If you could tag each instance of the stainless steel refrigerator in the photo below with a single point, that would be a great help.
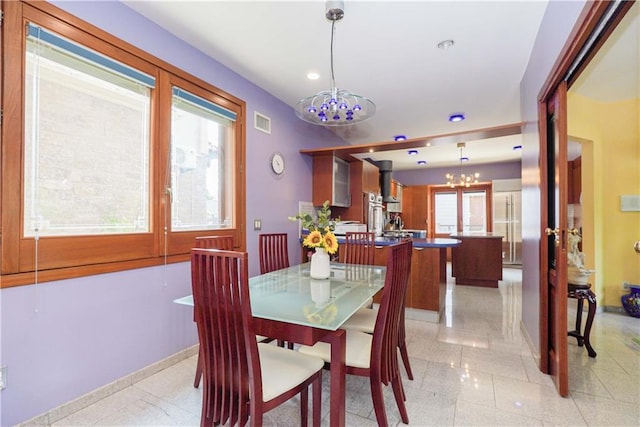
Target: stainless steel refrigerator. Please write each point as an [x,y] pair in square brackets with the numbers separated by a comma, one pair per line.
[507,218]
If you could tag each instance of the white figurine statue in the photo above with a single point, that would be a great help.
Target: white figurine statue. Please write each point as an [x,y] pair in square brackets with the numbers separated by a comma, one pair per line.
[577,273]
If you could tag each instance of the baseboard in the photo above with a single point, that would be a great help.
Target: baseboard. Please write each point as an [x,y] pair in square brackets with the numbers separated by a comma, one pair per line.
[422,315]
[98,394]
[535,351]
[614,309]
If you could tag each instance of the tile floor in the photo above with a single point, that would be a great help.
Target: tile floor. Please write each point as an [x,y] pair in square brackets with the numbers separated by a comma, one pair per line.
[474,368]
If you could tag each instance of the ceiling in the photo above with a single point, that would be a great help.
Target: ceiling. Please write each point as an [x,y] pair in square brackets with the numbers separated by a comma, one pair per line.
[384,50]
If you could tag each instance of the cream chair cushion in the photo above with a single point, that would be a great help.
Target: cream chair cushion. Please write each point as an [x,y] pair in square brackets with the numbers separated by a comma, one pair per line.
[362,320]
[358,354]
[283,369]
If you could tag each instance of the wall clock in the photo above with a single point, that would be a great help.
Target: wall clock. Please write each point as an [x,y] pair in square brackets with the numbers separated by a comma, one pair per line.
[277,163]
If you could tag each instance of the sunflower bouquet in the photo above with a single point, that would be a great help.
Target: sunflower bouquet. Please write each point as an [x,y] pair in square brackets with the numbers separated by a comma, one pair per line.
[320,231]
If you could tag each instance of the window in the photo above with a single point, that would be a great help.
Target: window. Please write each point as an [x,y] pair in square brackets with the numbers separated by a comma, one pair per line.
[474,211]
[446,212]
[462,209]
[113,159]
[201,172]
[87,121]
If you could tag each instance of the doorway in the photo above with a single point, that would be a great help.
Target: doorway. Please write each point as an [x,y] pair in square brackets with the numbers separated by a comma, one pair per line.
[616,137]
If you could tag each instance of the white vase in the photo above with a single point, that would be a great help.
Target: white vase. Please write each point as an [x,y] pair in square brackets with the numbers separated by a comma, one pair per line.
[320,264]
[578,276]
[320,291]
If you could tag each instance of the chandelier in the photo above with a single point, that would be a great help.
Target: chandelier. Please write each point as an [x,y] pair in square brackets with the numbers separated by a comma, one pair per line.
[462,179]
[335,106]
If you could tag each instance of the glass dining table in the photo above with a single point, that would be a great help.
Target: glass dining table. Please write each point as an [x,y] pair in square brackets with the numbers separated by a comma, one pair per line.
[289,305]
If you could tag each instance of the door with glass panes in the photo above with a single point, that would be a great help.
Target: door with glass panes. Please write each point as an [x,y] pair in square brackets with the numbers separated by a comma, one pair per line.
[460,209]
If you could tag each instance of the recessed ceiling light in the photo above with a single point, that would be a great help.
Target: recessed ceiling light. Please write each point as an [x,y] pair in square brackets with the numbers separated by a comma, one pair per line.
[400,138]
[456,117]
[412,152]
[428,144]
[517,147]
[371,150]
[422,162]
[313,76]
[464,159]
[445,44]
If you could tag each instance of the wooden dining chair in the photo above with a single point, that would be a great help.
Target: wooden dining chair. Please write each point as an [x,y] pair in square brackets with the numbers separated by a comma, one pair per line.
[376,355]
[243,379]
[274,255]
[360,249]
[224,242]
[274,252]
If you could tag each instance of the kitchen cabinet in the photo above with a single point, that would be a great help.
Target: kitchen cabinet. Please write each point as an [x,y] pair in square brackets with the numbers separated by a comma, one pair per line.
[331,178]
[370,178]
[575,180]
[478,260]
[363,180]
[428,280]
[414,208]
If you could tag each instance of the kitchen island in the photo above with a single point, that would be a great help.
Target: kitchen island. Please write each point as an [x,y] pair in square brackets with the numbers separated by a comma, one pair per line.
[428,281]
[478,260]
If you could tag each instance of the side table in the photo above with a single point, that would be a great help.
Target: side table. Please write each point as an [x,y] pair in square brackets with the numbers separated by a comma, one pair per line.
[583,292]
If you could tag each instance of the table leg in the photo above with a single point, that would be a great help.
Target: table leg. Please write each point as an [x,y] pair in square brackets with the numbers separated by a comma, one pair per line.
[338,341]
[579,323]
[587,328]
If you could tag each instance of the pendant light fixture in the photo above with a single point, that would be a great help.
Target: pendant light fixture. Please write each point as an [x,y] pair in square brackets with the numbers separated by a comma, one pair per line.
[462,179]
[335,106]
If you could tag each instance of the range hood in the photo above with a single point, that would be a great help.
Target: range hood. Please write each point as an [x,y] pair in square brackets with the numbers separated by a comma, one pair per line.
[385,168]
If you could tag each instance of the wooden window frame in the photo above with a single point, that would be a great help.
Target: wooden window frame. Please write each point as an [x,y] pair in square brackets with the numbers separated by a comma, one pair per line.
[61,257]
[433,189]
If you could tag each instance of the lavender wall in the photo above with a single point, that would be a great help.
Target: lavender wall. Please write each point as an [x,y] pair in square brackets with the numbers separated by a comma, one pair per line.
[558,21]
[63,339]
[488,172]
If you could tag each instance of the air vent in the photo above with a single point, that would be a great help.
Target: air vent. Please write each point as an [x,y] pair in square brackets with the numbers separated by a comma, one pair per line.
[262,122]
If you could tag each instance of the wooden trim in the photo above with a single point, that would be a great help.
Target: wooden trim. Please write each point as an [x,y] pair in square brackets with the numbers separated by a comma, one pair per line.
[101,34]
[11,280]
[542,249]
[345,151]
[433,189]
[585,26]
[12,48]
[604,35]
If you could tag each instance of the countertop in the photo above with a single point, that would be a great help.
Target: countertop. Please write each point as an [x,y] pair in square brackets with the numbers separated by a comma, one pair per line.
[471,235]
[417,243]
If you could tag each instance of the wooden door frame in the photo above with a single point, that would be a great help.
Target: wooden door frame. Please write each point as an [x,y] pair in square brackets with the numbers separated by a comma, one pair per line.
[433,189]
[586,25]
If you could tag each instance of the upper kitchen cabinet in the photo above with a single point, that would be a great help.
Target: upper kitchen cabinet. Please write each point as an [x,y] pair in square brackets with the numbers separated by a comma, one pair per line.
[370,178]
[396,191]
[331,181]
[575,180]
[364,180]
[415,207]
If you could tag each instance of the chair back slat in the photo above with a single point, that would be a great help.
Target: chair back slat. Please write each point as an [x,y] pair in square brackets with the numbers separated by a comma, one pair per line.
[391,311]
[274,252]
[231,369]
[359,248]
[224,242]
